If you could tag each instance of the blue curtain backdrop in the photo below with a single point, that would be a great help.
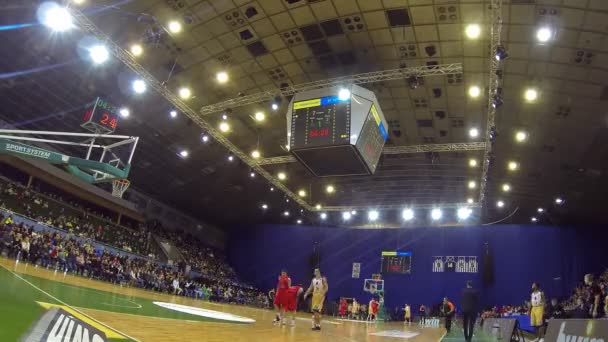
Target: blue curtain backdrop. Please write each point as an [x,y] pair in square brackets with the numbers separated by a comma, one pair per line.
[557,257]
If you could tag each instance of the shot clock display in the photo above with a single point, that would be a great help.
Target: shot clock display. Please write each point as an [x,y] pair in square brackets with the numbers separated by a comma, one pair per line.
[396,262]
[320,122]
[100,117]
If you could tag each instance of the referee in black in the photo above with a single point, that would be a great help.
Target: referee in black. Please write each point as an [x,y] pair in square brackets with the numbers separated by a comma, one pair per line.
[470,307]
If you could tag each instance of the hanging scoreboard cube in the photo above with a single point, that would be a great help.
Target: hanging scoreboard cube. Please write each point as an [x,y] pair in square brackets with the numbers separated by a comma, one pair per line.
[336,136]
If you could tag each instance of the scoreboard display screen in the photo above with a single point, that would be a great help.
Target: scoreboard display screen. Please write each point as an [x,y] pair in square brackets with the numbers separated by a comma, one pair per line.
[371,140]
[320,122]
[397,262]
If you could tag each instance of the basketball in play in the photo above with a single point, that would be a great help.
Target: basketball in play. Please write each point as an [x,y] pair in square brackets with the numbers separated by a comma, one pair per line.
[303,170]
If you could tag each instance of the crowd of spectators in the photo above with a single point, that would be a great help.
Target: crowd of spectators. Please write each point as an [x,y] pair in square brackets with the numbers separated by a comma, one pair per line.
[70,246]
[588,300]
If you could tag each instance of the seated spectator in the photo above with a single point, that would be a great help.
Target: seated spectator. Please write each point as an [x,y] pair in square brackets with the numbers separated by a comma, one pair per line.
[554,310]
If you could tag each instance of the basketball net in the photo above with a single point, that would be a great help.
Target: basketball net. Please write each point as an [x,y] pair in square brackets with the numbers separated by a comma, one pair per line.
[119,186]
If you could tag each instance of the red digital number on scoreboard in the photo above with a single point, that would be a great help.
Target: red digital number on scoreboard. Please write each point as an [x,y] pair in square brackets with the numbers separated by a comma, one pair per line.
[323,132]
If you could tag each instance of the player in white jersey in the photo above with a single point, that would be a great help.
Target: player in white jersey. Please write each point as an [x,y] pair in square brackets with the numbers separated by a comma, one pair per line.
[319,288]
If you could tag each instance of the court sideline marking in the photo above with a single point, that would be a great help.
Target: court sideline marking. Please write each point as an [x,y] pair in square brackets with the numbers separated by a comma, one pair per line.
[138,306]
[68,305]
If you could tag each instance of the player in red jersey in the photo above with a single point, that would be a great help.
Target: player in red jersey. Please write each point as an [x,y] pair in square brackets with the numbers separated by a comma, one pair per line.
[293,295]
[281,298]
[343,305]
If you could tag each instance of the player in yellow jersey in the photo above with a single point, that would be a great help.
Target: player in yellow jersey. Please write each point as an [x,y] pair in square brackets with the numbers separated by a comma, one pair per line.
[319,288]
[537,300]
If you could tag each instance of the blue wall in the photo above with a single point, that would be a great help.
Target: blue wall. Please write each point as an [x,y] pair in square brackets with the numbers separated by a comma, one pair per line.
[557,257]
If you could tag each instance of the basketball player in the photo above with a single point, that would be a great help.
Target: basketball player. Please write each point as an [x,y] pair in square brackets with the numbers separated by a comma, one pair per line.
[318,287]
[408,314]
[355,309]
[293,295]
[537,300]
[373,309]
[343,307]
[280,299]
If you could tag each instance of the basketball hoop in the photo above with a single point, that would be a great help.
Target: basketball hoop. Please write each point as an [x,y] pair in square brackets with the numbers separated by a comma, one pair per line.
[119,186]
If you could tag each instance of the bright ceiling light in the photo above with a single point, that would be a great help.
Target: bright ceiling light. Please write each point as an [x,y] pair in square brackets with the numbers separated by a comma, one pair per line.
[473,132]
[205,138]
[302,193]
[175,26]
[559,200]
[344,94]
[183,153]
[281,176]
[264,206]
[99,54]
[373,215]
[470,200]
[230,157]
[463,213]
[260,116]
[78,2]
[513,165]
[137,50]
[173,114]
[286,213]
[436,214]
[124,112]
[330,189]
[55,17]
[472,185]
[531,95]
[185,93]
[299,221]
[506,187]
[323,216]
[318,207]
[474,91]
[224,126]
[500,204]
[407,214]
[274,106]
[543,34]
[139,87]
[472,162]
[222,77]
[271,188]
[252,174]
[521,136]
[472,31]
[353,212]
[255,154]
[533,219]
[540,210]
[346,215]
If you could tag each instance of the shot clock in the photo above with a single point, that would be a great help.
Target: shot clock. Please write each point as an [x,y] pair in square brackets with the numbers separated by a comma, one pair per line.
[100,116]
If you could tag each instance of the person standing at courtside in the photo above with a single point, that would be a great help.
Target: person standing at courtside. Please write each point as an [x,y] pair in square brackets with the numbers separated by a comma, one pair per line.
[470,307]
[537,300]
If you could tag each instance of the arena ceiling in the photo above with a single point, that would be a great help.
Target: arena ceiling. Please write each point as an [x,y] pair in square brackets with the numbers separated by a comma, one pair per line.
[265,45]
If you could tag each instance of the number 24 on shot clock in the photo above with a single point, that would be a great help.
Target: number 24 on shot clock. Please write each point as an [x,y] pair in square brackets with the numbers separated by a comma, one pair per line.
[101,114]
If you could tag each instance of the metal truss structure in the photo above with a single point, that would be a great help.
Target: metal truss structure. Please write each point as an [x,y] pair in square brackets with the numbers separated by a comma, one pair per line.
[86,25]
[401,206]
[495,30]
[368,77]
[472,146]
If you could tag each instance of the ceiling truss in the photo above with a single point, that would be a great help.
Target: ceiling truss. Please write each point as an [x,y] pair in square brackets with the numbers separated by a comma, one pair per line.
[472,146]
[368,77]
[85,24]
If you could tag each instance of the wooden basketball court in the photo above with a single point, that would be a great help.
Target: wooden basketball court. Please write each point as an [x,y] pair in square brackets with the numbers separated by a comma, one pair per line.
[131,314]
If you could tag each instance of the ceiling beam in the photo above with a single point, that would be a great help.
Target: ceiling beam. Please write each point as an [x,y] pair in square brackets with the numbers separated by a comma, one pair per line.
[368,77]
[401,206]
[495,29]
[472,146]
